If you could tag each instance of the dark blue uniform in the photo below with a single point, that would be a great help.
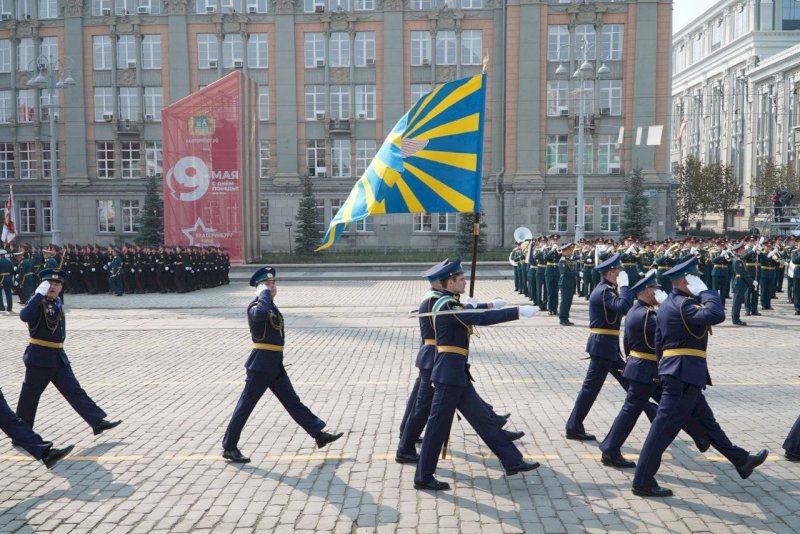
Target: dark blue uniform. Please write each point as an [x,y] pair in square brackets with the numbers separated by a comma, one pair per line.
[265,371]
[453,388]
[684,323]
[607,306]
[46,362]
[792,443]
[551,277]
[20,432]
[6,282]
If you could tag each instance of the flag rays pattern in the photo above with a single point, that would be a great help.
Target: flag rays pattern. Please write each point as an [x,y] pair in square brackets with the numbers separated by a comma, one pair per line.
[430,162]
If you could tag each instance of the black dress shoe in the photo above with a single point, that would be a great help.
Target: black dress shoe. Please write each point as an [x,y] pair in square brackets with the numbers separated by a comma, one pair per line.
[52,456]
[755,313]
[235,456]
[104,425]
[15,443]
[432,484]
[419,440]
[740,323]
[403,458]
[567,323]
[655,491]
[513,436]
[580,436]
[702,446]
[505,415]
[616,461]
[747,313]
[324,438]
[522,467]
[792,457]
[753,461]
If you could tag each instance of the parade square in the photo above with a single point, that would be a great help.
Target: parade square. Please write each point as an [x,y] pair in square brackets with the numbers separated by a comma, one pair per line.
[172,369]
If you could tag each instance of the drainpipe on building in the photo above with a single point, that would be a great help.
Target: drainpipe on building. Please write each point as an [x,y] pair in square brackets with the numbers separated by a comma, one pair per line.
[498,177]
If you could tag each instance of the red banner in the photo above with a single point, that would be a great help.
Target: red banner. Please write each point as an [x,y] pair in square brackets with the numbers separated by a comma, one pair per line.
[209,141]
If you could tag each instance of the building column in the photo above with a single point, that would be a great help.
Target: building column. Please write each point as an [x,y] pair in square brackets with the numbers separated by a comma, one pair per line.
[286,96]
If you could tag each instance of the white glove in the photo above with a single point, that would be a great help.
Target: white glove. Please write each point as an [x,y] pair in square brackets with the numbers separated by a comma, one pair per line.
[260,289]
[630,249]
[580,275]
[527,310]
[470,302]
[498,303]
[696,286]
[43,288]
[660,296]
[622,279]
[755,284]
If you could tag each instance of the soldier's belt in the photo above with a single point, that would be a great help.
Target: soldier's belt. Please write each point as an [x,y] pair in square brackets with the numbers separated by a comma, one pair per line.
[768,268]
[533,266]
[268,346]
[450,348]
[629,264]
[552,264]
[664,267]
[750,264]
[4,274]
[604,331]
[429,342]
[48,344]
[684,352]
[644,355]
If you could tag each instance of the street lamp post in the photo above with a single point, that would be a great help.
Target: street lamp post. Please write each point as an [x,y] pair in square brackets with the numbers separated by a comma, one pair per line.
[581,74]
[46,79]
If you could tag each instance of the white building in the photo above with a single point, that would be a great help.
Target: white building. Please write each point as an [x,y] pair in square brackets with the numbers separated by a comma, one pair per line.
[736,72]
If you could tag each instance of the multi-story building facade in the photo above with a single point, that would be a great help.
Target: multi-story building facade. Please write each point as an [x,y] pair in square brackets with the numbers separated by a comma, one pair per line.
[735,91]
[334,77]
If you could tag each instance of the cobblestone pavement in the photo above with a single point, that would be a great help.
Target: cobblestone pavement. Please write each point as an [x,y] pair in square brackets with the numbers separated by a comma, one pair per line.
[171,367]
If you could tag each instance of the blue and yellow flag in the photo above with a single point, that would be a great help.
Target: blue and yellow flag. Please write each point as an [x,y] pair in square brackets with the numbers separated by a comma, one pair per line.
[430,162]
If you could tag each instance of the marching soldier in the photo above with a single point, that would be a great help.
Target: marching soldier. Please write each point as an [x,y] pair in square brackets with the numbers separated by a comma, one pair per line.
[6,280]
[27,277]
[720,277]
[751,294]
[630,260]
[265,370]
[568,275]
[45,359]
[742,281]
[539,276]
[551,257]
[683,325]
[453,389]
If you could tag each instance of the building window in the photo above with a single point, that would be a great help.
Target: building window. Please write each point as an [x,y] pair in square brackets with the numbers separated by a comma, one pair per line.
[206,6]
[446,47]
[48,9]
[588,217]
[557,41]
[151,52]
[47,216]
[336,5]
[587,155]
[153,6]
[420,48]
[46,159]
[153,154]
[27,216]
[6,161]
[26,105]
[105,159]
[25,55]
[365,151]
[609,214]
[231,6]
[263,215]
[103,103]
[421,4]
[608,155]
[232,50]
[611,38]
[340,102]
[340,49]
[341,158]
[365,225]
[364,5]
[611,96]
[791,15]
[557,215]
[336,205]
[320,220]
[207,51]
[557,98]
[418,90]
[365,102]
[27,160]
[471,47]
[105,216]
[6,107]
[697,48]
[739,22]
[131,153]
[126,52]
[423,222]
[587,92]
[315,102]
[48,48]
[471,4]
[448,222]
[5,55]
[101,52]
[263,158]
[257,51]
[315,158]
[153,103]
[314,50]
[125,7]
[365,49]
[101,8]
[263,103]
[716,34]
[556,154]
[129,103]
[130,216]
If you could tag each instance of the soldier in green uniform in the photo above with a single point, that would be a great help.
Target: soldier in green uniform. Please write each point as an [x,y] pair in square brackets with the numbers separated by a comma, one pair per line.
[742,280]
[551,276]
[6,280]
[720,274]
[766,276]
[568,275]
[115,275]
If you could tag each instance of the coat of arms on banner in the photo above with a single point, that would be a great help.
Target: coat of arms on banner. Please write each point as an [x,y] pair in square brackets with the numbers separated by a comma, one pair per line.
[202,124]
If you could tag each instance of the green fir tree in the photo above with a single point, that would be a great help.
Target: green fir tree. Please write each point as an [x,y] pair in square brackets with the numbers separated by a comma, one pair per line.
[151,218]
[636,216]
[464,233]
[309,236]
